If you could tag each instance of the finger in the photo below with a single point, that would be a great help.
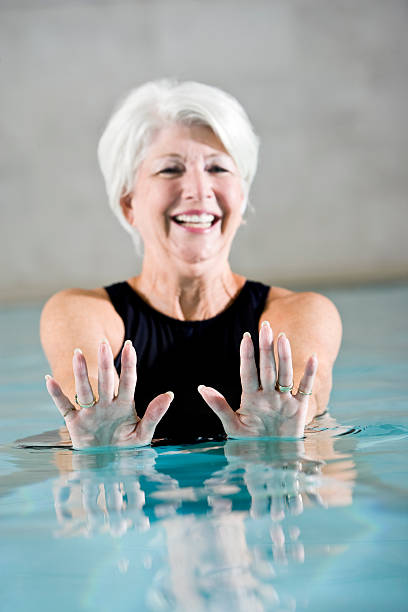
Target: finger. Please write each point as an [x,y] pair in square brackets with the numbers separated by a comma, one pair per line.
[154,413]
[90,493]
[285,377]
[128,376]
[61,401]
[106,377]
[295,504]
[135,494]
[114,497]
[278,542]
[222,409]
[277,511]
[298,552]
[82,385]
[136,499]
[267,366]
[256,488]
[248,371]
[306,384]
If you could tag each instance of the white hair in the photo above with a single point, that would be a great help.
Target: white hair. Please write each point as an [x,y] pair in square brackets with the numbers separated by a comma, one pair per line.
[153,105]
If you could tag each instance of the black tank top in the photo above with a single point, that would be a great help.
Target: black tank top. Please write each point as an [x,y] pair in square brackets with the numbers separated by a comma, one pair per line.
[175,355]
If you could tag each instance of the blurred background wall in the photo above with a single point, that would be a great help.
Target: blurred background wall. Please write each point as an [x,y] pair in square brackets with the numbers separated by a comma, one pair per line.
[325,84]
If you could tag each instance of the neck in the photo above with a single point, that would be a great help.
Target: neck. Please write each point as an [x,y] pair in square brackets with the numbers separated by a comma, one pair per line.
[189,291]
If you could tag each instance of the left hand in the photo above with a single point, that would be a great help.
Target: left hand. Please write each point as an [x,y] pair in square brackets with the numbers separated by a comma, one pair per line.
[265,411]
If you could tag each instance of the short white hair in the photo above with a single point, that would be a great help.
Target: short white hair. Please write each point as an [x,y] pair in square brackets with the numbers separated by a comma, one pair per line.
[147,109]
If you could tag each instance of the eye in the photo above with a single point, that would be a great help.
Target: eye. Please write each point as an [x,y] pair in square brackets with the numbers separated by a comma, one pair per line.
[171,170]
[217,169]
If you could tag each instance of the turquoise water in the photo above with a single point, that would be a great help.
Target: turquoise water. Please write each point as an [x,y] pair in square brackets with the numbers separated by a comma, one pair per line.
[318,524]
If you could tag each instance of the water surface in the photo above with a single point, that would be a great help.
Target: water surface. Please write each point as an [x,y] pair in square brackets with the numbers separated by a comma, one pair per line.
[317,524]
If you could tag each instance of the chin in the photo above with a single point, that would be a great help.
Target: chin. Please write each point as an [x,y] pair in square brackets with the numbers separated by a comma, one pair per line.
[193,256]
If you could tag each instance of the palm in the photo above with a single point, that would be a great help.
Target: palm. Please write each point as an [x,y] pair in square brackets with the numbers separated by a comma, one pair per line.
[265,411]
[104,424]
[271,413]
[112,420]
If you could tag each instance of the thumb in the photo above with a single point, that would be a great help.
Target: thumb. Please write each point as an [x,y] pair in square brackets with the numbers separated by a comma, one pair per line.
[153,415]
[220,406]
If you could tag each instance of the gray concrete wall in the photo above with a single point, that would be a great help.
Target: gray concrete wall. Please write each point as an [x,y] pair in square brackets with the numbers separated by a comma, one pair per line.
[325,84]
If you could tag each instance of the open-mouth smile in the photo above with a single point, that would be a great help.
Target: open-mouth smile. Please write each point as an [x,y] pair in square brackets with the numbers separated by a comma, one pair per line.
[198,222]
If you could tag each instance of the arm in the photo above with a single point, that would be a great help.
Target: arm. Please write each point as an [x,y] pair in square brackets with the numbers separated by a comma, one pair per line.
[77,318]
[270,409]
[108,417]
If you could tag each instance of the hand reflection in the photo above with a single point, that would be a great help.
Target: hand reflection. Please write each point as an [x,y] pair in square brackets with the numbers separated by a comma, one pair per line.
[277,475]
[90,499]
[231,514]
[116,491]
[282,478]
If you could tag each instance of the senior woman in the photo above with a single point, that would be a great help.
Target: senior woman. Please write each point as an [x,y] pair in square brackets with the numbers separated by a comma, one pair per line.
[231,356]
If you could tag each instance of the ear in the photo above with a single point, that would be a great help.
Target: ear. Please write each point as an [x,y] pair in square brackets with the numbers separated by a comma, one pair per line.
[127,209]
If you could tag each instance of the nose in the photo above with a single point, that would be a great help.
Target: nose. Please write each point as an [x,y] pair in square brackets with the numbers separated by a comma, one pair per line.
[197,184]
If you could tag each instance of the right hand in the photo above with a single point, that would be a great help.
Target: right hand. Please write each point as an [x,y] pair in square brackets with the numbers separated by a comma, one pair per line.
[112,420]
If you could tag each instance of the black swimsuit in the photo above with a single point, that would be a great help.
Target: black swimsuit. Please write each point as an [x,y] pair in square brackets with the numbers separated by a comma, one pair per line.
[174,355]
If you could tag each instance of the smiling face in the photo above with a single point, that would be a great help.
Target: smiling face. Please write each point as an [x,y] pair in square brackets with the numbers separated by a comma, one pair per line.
[187,196]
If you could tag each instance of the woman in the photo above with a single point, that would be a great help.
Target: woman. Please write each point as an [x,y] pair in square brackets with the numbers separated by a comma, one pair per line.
[178,161]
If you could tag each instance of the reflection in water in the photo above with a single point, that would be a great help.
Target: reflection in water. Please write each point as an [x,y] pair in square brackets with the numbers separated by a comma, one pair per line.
[231,513]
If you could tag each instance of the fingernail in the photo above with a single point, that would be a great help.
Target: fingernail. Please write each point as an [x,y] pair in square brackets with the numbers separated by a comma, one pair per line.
[128,343]
[104,341]
[78,351]
[282,334]
[247,335]
[200,387]
[47,377]
[170,394]
[265,324]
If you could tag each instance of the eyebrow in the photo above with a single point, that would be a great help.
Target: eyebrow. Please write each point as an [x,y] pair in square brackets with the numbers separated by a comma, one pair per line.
[178,156]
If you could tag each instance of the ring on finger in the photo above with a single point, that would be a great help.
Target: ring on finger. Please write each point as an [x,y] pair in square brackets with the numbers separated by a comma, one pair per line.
[303,392]
[282,388]
[85,405]
[64,416]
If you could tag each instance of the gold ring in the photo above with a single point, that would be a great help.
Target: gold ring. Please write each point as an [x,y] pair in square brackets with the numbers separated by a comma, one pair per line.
[283,389]
[85,405]
[303,393]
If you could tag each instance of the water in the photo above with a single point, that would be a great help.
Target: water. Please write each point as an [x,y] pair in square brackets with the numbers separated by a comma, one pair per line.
[319,524]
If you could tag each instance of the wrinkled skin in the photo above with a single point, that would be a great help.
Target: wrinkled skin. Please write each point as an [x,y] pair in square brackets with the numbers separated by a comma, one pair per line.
[113,420]
[265,411]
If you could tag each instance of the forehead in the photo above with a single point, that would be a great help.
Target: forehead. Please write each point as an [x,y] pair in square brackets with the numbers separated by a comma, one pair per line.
[184,139]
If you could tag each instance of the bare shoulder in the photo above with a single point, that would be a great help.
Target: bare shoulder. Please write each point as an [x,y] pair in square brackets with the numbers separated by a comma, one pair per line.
[283,302]
[77,298]
[81,315]
[303,312]
[76,303]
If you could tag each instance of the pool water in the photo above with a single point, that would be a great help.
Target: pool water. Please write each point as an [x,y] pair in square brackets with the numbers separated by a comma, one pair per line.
[318,524]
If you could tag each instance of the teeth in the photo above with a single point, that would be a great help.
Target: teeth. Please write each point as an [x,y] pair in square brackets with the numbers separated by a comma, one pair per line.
[204,218]
[202,225]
